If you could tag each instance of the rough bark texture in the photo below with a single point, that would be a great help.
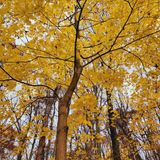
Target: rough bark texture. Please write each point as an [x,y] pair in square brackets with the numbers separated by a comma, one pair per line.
[113,132]
[63,109]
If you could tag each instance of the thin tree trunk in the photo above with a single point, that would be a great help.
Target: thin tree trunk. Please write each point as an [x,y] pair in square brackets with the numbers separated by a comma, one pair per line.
[51,128]
[41,149]
[113,132]
[42,142]
[98,144]
[32,148]
[63,110]
[19,157]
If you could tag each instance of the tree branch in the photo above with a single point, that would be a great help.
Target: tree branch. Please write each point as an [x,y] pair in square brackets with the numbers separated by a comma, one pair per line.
[112,50]
[25,83]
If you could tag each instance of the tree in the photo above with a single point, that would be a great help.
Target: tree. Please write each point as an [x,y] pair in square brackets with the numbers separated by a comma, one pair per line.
[77,47]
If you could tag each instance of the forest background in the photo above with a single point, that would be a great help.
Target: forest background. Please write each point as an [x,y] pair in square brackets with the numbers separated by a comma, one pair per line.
[79,79]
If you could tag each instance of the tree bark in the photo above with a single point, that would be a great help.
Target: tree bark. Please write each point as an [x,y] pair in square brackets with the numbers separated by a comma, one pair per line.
[42,142]
[63,110]
[113,132]
[19,157]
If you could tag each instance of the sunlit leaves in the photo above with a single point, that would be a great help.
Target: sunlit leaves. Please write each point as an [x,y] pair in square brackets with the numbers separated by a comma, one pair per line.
[117,45]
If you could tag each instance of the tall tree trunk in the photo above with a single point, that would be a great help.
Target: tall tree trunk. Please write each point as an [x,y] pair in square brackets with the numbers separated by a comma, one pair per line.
[122,123]
[32,147]
[63,110]
[23,141]
[42,142]
[113,132]
[41,149]
[19,157]
[51,128]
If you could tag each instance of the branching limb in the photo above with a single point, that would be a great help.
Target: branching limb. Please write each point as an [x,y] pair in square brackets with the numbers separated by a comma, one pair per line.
[25,83]
[119,48]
